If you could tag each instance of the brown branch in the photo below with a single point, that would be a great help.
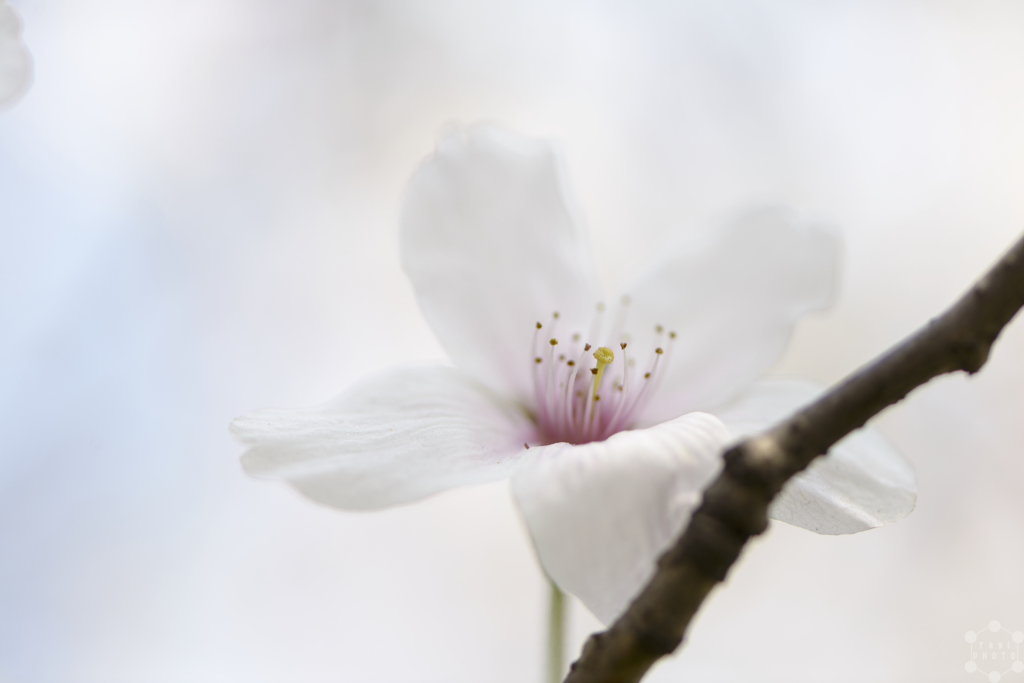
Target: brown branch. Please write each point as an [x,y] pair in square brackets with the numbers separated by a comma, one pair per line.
[735,505]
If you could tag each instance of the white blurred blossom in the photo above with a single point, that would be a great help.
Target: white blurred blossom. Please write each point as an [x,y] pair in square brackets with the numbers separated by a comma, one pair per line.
[15,61]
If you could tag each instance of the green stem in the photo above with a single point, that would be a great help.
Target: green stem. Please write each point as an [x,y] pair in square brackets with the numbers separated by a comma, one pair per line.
[556,634]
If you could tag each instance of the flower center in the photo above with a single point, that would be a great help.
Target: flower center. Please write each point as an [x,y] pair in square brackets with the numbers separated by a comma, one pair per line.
[584,394]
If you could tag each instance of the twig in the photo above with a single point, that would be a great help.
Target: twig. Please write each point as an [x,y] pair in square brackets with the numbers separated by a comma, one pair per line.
[735,505]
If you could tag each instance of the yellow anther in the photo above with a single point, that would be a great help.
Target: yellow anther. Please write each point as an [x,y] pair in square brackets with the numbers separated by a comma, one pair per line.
[603,356]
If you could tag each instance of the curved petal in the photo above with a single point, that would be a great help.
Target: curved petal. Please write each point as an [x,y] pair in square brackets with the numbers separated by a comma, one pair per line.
[491,249]
[393,438]
[863,482]
[733,303]
[600,514]
[15,62]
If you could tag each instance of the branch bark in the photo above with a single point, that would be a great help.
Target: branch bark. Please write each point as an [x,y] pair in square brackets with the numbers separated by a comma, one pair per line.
[735,505]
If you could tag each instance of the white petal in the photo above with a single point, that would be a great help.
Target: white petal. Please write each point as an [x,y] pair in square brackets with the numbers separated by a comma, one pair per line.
[733,302]
[392,438]
[491,249]
[600,514]
[863,482]
[15,62]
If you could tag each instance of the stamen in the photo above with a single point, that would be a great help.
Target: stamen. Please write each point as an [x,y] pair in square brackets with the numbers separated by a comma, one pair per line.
[536,333]
[537,394]
[653,372]
[619,324]
[554,323]
[550,389]
[658,376]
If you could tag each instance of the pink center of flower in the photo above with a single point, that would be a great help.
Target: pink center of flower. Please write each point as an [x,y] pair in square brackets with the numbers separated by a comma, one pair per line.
[586,394]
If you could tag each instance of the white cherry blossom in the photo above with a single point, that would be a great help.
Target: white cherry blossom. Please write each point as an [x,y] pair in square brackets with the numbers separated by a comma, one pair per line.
[588,406]
[15,62]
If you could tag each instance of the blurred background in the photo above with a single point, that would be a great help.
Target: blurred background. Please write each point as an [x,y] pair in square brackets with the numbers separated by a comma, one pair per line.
[198,205]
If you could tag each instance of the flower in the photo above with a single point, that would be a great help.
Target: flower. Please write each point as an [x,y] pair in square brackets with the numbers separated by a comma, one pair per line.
[587,407]
[15,63]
